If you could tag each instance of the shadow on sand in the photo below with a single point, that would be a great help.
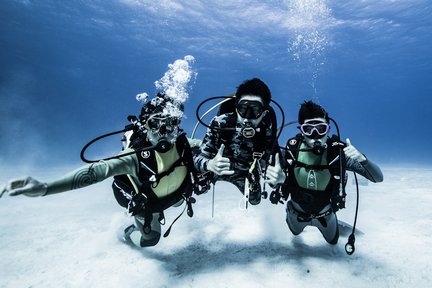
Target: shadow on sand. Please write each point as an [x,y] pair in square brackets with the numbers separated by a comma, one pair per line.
[204,257]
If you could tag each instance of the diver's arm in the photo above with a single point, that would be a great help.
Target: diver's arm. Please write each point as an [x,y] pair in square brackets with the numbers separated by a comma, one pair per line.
[373,170]
[275,175]
[208,148]
[274,165]
[94,173]
[81,177]
[357,162]
[367,169]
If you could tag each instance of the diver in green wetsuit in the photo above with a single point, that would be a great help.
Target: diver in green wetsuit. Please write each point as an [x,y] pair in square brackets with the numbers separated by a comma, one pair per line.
[315,164]
[147,179]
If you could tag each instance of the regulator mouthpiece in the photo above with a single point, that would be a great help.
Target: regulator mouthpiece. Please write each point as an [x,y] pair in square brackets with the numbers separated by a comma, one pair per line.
[248,131]
[163,146]
[318,149]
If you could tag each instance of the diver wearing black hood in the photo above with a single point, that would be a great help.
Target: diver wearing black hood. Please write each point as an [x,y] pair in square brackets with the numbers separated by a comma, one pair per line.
[313,165]
[152,173]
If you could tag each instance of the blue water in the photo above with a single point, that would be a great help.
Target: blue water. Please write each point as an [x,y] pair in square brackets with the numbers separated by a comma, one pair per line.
[70,70]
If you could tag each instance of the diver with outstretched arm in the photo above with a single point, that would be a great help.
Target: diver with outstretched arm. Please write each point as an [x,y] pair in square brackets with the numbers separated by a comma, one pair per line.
[154,172]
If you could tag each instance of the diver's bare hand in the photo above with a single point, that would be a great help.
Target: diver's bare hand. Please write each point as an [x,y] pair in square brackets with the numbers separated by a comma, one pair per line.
[351,152]
[275,174]
[27,186]
[220,165]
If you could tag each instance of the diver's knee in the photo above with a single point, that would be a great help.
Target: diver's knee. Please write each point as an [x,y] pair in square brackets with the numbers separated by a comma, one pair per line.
[292,220]
[149,235]
[335,239]
[328,227]
[150,239]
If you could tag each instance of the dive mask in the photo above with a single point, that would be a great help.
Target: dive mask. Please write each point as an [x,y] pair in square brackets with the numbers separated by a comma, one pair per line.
[163,125]
[250,109]
[162,131]
[314,130]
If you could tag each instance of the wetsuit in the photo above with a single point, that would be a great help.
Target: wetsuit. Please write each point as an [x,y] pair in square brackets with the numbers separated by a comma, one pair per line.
[238,149]
[310,190]
[130,165]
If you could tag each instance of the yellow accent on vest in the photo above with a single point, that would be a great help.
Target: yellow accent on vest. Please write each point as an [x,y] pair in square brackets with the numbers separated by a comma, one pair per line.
[309,178]
[170,183]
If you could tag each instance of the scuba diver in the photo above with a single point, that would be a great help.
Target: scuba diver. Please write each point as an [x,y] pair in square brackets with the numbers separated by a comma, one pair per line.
[316,167]
[153,172]
[239,142]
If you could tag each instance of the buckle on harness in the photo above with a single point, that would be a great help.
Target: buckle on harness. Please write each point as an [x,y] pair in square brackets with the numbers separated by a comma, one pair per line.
[152,178]
[306,217]
[257,155]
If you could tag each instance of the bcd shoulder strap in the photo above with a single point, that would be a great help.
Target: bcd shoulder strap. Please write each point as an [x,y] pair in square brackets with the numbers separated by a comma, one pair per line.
[292,147]
[337,161]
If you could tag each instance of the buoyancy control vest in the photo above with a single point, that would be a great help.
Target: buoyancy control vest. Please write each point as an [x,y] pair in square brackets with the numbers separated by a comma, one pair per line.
[242,151]
[228,131]
[147,174]
[310,200]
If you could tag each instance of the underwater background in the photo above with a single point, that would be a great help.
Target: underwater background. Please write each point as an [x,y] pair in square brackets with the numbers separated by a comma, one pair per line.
[70,70]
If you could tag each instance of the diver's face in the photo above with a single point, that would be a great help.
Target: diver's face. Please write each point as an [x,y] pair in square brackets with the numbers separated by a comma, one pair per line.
[250,109]
[315,131]
[162,127]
